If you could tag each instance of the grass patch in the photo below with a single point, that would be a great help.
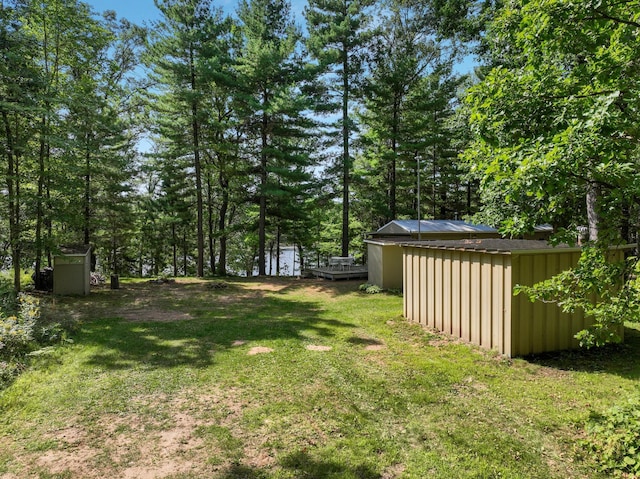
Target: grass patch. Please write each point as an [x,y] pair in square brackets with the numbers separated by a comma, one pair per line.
[160,381]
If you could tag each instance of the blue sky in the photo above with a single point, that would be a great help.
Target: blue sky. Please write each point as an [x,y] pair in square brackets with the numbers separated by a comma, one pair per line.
[138,11]
[135,11]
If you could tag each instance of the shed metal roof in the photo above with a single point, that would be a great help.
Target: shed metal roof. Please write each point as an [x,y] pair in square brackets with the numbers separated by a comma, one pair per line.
[75,250]
[504,246]
[407,227]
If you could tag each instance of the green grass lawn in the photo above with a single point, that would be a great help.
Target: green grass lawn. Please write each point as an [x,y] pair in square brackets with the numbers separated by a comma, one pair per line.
[294,379]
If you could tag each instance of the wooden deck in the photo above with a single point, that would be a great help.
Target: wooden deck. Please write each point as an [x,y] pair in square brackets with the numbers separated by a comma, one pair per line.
[352,272]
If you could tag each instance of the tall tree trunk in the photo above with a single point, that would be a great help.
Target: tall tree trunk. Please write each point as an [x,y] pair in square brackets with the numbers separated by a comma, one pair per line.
[394,159]
[300,257]
[195,123]
[211,227]
[346,159]
[87,195]
[593,218]
[222,226]
[278,250]
[39,203]
[114,248]
[262,220]
[434,188]
[13,190]
[184,253]
[174,241]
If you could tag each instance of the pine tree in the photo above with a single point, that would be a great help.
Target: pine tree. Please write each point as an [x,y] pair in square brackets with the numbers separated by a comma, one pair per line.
[271,74]
[180,54]
[338,37]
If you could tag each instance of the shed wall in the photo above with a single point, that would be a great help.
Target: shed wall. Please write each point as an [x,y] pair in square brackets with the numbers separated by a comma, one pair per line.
[539,327]
[72,275]
[384,264]
[469,295]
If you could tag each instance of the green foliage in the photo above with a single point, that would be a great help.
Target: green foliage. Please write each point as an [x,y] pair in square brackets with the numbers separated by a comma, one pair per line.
[365,412]
[606,291]
[558,115]
[613,439]
[23,330]
[16,330]
[370,288]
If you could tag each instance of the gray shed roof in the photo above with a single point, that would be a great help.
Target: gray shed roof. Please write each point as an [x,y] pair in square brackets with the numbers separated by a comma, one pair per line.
[489,245]
[75,250]
[503,246]
[407,227]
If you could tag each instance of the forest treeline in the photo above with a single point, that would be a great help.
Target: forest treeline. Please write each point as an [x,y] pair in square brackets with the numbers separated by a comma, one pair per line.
[201,142]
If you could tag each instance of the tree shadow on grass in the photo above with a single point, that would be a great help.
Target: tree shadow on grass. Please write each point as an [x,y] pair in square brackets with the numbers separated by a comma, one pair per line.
[360,341]
[619,359]
[331,288]
[301,464]
[240,471]
[220,321]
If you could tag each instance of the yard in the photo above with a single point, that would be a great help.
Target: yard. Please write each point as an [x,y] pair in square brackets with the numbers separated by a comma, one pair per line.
[294,379]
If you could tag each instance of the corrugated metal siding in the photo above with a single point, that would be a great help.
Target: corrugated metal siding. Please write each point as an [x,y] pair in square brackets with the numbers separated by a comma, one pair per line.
[469,294]
[540,327]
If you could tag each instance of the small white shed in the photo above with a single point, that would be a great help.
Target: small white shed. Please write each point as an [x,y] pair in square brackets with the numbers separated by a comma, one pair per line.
[72,270]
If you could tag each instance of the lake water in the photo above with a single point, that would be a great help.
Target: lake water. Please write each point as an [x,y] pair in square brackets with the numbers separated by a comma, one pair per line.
[289,262]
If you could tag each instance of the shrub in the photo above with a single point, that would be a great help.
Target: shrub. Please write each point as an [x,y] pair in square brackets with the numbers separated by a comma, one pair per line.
[613,438]
[370,288]
[16,330]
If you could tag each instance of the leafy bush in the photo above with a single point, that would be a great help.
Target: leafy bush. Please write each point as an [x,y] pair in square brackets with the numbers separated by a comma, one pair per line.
[614,439]
[370,288]
[16,330]
[22,330]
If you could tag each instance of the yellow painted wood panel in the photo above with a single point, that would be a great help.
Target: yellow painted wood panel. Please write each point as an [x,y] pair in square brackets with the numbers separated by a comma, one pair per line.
[447,293]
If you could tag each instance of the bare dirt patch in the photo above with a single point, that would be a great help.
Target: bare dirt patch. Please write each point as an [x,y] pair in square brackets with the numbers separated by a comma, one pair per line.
[259,350]
[143,445]
[374,347]
[314,347]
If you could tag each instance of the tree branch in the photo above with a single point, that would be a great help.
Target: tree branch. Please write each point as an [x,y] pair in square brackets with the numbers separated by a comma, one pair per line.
[606,16]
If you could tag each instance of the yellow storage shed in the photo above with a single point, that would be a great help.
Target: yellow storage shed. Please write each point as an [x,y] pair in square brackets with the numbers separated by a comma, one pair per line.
[465,288]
